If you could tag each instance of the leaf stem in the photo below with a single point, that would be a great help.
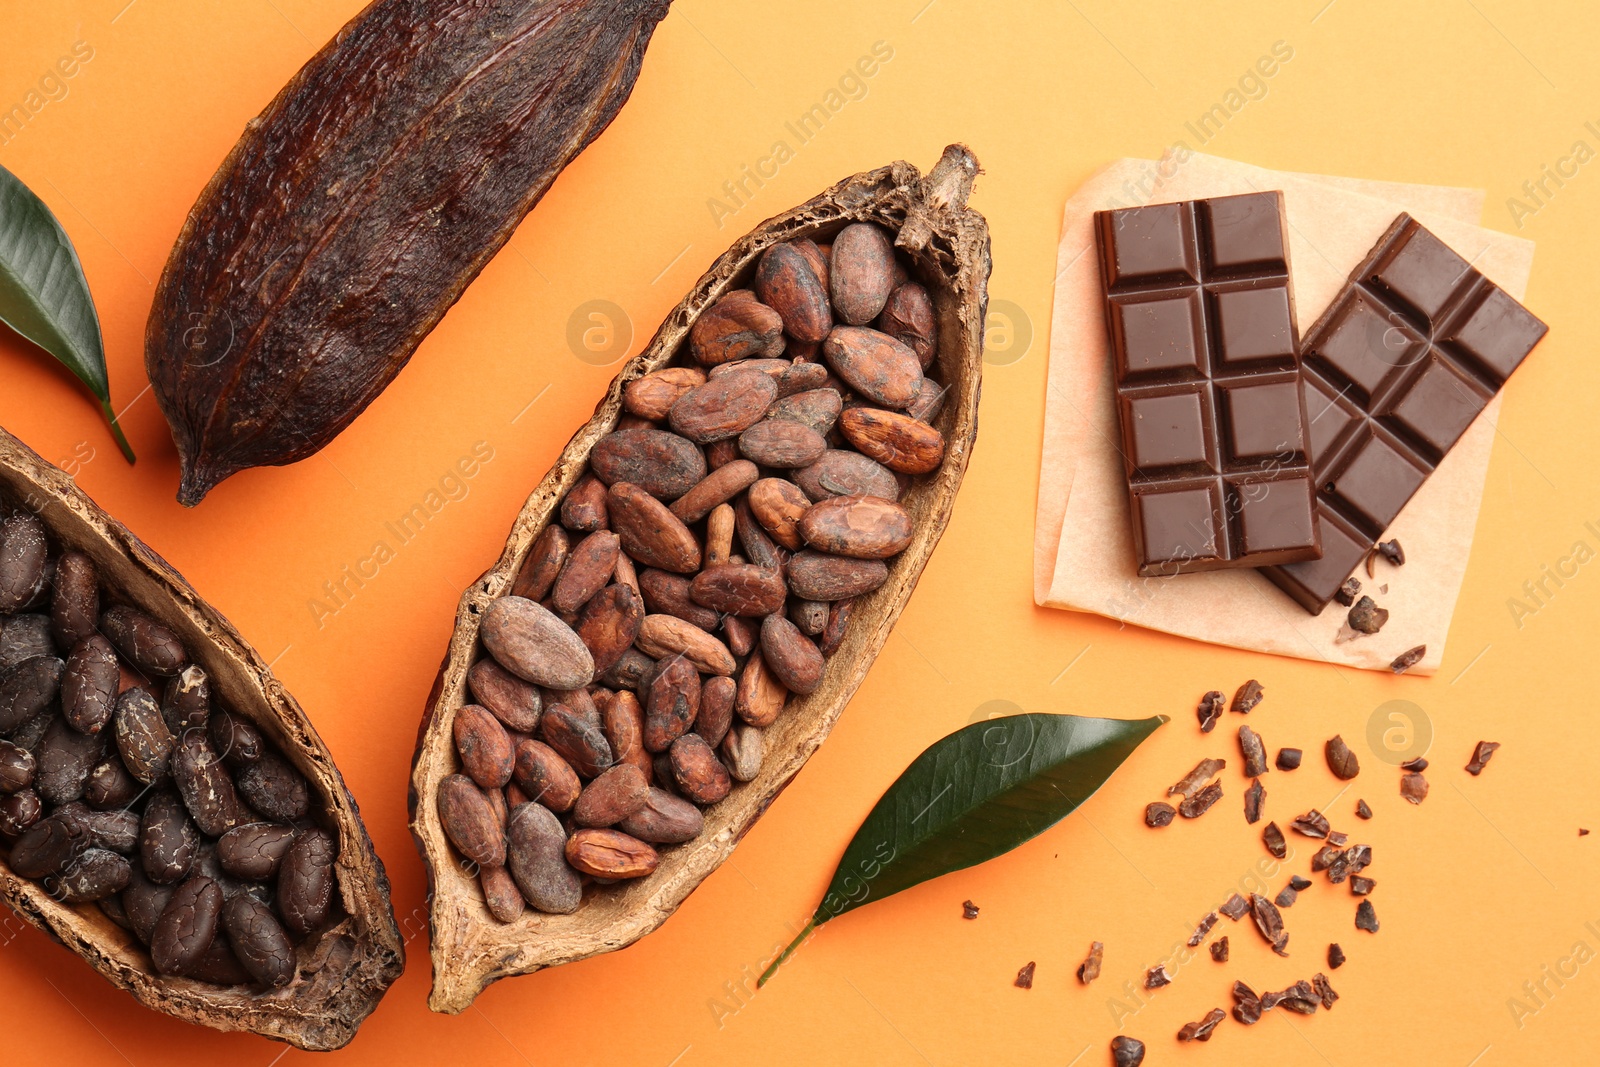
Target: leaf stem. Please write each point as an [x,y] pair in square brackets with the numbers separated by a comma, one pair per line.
[786,953]
[116,431]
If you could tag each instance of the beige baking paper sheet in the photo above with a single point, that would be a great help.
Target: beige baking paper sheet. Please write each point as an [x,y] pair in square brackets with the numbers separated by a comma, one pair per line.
[1083,545]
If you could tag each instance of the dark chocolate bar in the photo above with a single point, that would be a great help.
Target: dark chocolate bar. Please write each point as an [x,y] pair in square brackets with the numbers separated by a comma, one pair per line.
[1205,359]
[1410,351]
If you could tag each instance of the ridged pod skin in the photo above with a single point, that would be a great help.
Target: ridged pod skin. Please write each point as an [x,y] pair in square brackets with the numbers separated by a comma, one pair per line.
[361,203]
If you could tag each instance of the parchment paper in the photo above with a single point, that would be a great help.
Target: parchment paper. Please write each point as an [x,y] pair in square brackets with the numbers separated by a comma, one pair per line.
[1083,545]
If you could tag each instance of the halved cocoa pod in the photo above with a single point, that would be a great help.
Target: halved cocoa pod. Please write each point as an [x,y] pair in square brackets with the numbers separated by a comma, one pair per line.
[945,245]
[347,963]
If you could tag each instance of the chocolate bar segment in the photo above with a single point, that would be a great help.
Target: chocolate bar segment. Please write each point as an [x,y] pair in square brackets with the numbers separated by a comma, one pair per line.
[1393,373]
[1205,359]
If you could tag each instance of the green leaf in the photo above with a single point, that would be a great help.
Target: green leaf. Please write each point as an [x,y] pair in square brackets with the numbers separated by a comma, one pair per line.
[971,796]
[44,295]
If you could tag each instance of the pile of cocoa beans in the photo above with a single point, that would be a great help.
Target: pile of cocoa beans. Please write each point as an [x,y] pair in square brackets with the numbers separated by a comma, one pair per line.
[175,816]
[704,567]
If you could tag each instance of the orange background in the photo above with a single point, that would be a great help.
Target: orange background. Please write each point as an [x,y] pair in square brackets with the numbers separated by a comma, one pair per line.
[1483,888]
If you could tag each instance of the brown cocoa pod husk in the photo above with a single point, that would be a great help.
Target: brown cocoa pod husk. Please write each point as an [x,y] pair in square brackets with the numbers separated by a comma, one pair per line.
[187,701]
[19,812]
[716,709]
[580,742]
[501,895]
[536,860]
[609,624]
[305,881]
[874,364]
[17,768]
[259,941]
[652,396]
[650,533]
[545,777]
[589,568]
[739,589]
[187,925]
[545,560]
[811,616]
[721,453]
[583,510]
[235,738]
[760,694]
[23,637]
[862,527]
[615,794]
[668,594]
[667,635]
[89,685]
[861,273]
[65,758]
[514,702]
[610,854]
[96,874]
[792,656]
[275,789]
[470,821]
[820,576]
[737,326]
[143,641]
[110,786]
[758,547]
[909,318]
[663,464]
[721,485]
[622,721]
[782,443]
[630,671]
[23,556]
[533,643]
[144,740]
[800,378]
[816,256]
[699,775]
[169,841]
[725,406]
[817,408]
[664,819]
[672,703]
[254,851]
[28,689]
[741,634]
[75,603]
[741,752]
[787,282]
[719,535]
[203,783]
[484,747]
[842,473]
[897,441]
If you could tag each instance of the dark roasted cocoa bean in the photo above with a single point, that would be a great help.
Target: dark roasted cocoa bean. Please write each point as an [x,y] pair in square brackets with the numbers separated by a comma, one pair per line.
[722,484]
[65,758]
[23,637]
[786,282]
[545,776]
[117,831]
[673,702]
[535,860]
[218,964]
[23,555]
[650,533]
[27,689]
[698,773]
[589,568]
[49,845]
[89,685]
[736,327]
[187,703]
[275,789]
[653,395]
[254,851]
[96,874]
[143,641]
[779,505]
[535,645]
[187,925]
[545,560]
[205,786]
[610,854]
[861,273]
[168,840]
[613,796]
[819,576]
[841,473]
[305,881]
[669,594]
[144,901]
[663,464]
[782,443]
[791,655]
[236,739]
[874,364]
[259,941]
[862,527]
[609,623]
[739,589]
[19,812]
[908,317]
[514,702]
[484,746]
[900,442]
[110,785]
[576,740]
[664,820]
[17,768]
[724,407]
[143,737]
[75,603]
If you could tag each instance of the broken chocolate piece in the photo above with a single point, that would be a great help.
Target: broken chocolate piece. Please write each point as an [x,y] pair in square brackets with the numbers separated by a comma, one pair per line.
[1341,761]
[1480,756]
[1248,696]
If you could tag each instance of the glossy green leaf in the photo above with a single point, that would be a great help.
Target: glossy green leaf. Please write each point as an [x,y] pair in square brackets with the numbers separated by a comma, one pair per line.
[972,796]
[44,295]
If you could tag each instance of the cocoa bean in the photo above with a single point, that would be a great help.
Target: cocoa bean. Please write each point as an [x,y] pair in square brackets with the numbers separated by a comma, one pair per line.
[49,845]
[722,484]
[862,527]
[817,408]
[725,406]
[874,364]
[787,282]
[800,378]
[65,758]
[498,804]
[114,830]
[143,641]
[898,441]
[17,768]
[738,589]
[741,634]
[305,881]
[577,701]
[811,616]
[187,925]
[96,874]
[758,547]
[23,555]
[484,747]
[791,655]
[664,820]
[819,576]
[841,473]
[613,796]
[205,786]
[741,752]
[235,739]
[650,533]
[816,255]
[584,508]
[630,671]
[721,453]
[626,574]
[760,695]
[143,738]
[23,637]
[544,561]
[929,402]
[715,714]
[545,777]
[667,635]
[669,594]
[719,535]
[735,327]
[908,317]
[698,773]
[663,464]
[27,689]
[778,504]
[622,721]
[258,941]
[535,858]
[255,851]
[75,604]
[861,272]
[610,854]
[169,841]
[144,901]
[609,623]
[275,789]
[501,895]
[673,703]
[18,813]
[218,964]
[782,443]
[588,570]
[772,368]
[532,643]
[111,786]
[581,743]
[187,704]
[511,700]
[653,395]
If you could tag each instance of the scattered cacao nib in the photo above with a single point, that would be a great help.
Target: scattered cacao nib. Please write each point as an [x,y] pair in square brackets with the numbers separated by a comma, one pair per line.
[1391,551]
[1126,1051]
[1408,659]
[1157,976]
[1365,617]
[1089,969]
[1201,1031]
[1313,824]
[1219,949]
[1255,753]
[1335,956]
[1203,929]
[1195,780]
[1254,797]
[1289,759]
[1269,921]
[1338,837]
[1419,764]
[1320,983]
[1025,976]
[1201,802]
[1299,998]
[1159,814]
[1361,885]
[1363,811]
[1272,837]
[1366,917]
[1358,857]
[1248,696]
[1235,907]
[1286,897]
[1326,857]
[1210,710]
[1414,787]
[1246,1005]
[1582,832]
[1348,591]
[969,910]
[1341,761]
[1298,883]
[1480,757]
